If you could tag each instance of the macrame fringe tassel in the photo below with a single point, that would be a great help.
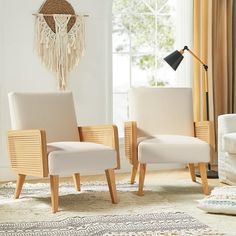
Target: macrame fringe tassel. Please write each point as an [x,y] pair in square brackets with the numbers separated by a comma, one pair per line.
[60,52]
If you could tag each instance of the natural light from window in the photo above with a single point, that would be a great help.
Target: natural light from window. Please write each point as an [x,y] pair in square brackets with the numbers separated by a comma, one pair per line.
[144,32]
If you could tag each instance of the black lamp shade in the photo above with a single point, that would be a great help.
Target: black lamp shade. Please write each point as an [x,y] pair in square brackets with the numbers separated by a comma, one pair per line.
[174,59]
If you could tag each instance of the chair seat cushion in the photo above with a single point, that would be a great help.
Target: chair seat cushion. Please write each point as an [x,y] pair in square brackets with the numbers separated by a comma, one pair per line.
[73,157]
[173,149]
[229,143]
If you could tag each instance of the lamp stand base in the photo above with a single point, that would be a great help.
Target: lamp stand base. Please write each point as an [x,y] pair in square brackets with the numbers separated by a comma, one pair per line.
[211,174]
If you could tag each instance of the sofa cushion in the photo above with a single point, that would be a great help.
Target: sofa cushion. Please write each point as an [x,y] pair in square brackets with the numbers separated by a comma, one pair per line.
[73,157]
[173,149]
[229,143]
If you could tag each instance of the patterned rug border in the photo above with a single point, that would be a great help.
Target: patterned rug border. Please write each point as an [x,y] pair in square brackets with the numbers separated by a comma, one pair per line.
[121,185]
[164,223]
[86,183]
[34,189]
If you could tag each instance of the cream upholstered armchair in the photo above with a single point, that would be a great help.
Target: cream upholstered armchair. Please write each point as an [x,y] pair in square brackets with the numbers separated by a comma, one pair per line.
[227,148]
[162,130]
[45,141]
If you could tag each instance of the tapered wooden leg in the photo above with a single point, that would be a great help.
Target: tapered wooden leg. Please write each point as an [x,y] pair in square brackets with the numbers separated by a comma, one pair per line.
[112,185]
[203,173]
[192,171]
[133,173]
[76,178]
[19,184]
[142,172]
[54,184]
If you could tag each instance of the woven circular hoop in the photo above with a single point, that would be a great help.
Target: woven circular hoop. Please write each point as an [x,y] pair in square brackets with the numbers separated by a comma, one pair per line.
[57,7]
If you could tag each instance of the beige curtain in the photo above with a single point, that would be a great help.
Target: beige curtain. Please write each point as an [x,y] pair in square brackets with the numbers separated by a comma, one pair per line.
[213,42]
[200,48]
[234,56]
[222,57]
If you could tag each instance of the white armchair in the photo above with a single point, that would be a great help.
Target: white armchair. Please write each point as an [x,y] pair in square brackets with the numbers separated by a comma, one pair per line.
[162,130]
[45,140]
[227,148]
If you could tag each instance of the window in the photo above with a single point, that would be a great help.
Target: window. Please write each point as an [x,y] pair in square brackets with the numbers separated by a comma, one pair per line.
[144,32]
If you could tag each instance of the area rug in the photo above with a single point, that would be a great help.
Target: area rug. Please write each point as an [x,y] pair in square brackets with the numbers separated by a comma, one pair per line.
[170,223]
[165,209]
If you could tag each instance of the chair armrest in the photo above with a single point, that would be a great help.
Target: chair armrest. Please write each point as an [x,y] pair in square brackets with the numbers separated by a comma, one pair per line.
[227,123]
[204,130]
[28,152]
[102,134]
[131,142]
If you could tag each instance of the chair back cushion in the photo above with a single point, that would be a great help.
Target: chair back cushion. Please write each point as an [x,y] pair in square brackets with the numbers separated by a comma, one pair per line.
[53,112]
[162,110]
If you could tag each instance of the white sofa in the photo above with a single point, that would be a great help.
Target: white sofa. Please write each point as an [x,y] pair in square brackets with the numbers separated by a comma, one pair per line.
[227,148]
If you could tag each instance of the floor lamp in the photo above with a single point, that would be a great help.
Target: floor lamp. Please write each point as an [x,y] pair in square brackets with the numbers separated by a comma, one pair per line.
[174,59]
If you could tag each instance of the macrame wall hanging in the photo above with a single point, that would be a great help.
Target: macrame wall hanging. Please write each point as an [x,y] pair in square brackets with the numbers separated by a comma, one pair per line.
[59,38]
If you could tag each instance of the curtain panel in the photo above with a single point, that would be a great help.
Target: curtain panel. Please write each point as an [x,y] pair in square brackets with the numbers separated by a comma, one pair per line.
[222,57]
[214,42]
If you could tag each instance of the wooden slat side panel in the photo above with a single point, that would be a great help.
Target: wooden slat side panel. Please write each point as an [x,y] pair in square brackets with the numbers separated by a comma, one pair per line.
[27,151]
[204,130]
[102,134]
[131,142]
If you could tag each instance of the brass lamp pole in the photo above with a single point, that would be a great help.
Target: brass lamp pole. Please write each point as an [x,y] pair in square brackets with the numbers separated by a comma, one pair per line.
[205,77]
[174,59]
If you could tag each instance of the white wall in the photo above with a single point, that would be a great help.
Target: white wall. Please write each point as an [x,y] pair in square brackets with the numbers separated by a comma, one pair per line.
[2,136]
[21,69]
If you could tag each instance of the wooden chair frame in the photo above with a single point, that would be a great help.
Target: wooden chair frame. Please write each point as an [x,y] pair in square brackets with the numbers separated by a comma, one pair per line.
[28,155]
[202,130]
